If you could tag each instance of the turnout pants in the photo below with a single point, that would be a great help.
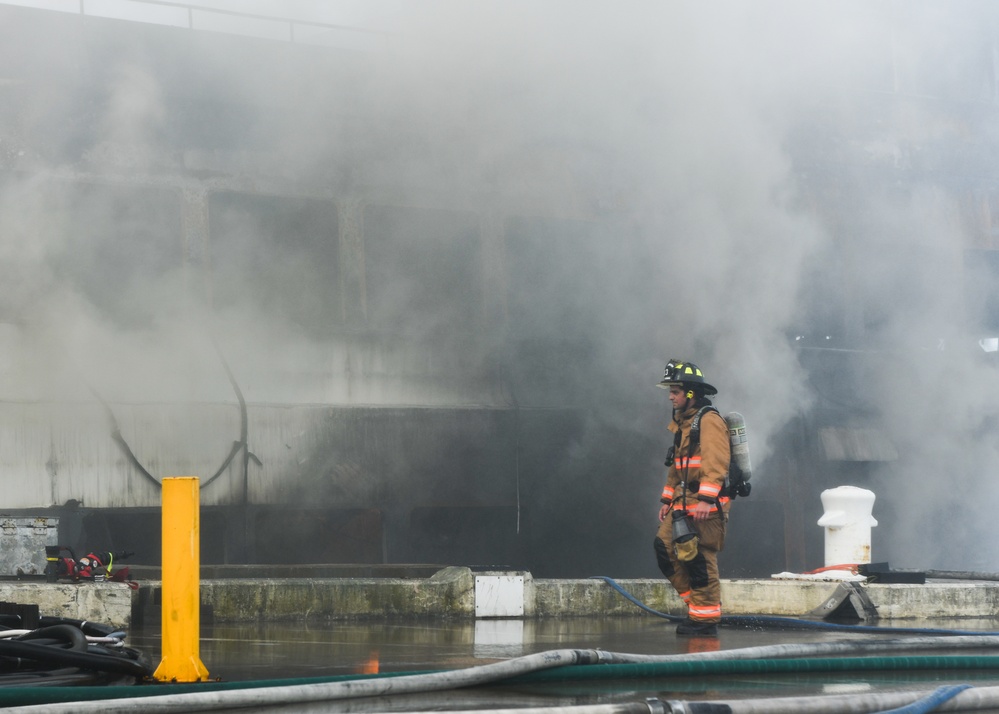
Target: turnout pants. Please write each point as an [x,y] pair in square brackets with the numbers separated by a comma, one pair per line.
[695,581]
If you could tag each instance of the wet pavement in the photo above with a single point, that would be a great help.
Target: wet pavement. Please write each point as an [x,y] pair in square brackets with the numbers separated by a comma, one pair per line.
[239,653]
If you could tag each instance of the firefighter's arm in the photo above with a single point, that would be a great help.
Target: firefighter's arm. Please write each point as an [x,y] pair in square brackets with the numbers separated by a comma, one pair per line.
[663,512]
[715,455]
[672,479]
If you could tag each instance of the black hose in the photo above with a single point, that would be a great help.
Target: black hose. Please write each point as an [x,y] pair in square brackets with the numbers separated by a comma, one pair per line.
[55,635]
[243,443]
[237,446]
[791,623]
[46,655]
[957,575]
[69,652]
[93,629]
[64,677]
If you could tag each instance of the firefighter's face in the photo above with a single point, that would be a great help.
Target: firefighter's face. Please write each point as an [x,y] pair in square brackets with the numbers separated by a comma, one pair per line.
[677,397]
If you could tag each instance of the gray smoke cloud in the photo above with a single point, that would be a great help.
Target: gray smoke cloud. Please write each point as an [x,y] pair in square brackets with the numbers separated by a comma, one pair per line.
[696,120]
[677,137]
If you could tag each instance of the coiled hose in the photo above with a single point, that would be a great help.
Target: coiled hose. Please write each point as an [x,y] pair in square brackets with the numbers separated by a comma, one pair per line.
[61,652]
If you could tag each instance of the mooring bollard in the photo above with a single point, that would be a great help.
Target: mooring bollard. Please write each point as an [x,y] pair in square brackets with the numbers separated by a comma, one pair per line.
[848,522]
[180,583]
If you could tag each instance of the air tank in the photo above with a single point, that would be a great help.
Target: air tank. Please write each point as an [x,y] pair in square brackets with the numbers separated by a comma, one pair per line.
[739,440]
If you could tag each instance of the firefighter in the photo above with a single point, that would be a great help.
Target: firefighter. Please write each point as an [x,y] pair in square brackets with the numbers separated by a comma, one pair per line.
[695,487]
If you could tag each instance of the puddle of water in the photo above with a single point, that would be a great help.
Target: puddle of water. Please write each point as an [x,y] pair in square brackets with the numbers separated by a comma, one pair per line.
[271,651]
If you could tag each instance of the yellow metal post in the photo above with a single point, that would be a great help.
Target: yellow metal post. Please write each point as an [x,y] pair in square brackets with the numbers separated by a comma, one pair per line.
[181,628]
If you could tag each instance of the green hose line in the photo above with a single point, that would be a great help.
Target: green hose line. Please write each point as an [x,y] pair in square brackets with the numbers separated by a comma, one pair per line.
[975,699]
[854,648]
[579,671]
[25,696]
[162,699]
[714,668]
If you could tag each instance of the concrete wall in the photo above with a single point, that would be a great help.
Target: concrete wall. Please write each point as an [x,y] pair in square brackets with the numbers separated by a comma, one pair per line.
[451,593]
[106,603]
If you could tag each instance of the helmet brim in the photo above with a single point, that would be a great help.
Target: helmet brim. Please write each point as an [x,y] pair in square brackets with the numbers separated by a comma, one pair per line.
[708,389]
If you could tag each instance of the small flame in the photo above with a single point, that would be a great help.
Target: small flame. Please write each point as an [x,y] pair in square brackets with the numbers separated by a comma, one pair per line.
[371,665]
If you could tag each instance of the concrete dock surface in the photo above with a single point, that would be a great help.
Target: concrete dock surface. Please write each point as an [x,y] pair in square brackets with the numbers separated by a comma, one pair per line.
[335,621]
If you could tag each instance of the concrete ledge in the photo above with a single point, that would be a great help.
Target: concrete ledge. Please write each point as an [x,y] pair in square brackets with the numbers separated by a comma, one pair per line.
[557,598]
[448,593]
[937,599]
[451,593]
[784,598]
[108,603]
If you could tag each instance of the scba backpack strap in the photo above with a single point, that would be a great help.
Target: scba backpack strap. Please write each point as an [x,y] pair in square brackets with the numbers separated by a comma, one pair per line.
[736,481]
[695,442]
[695,428]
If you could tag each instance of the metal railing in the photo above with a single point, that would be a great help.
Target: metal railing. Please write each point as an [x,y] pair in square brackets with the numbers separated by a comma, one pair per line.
[198,17]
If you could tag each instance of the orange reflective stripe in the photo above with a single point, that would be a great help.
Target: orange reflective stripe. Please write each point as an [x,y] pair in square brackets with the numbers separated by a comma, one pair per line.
[667,492]
[685,596]
[709,489]
[692,504]
[686,462]
[704,612]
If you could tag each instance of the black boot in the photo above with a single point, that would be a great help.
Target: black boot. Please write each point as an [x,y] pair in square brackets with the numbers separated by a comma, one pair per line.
[689,628]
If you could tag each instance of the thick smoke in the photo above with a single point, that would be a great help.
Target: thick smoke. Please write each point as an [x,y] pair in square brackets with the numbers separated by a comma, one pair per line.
[678,136]
[695,123]
[675,116]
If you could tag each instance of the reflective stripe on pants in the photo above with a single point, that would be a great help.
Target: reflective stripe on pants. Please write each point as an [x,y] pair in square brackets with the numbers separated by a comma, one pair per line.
[700,575]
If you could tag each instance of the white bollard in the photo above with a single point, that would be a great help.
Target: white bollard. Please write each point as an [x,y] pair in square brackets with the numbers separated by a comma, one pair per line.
[848,522]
